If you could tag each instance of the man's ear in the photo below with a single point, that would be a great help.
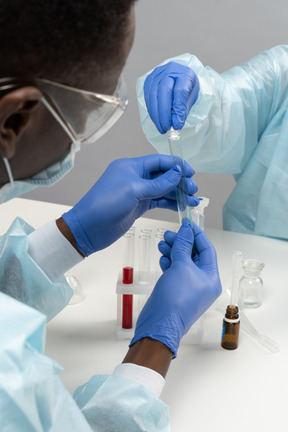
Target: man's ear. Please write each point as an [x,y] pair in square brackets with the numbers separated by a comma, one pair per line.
[16,110]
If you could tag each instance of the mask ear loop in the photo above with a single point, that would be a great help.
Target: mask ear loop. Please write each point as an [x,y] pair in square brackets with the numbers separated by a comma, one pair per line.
[59,120]
[9,172]
[75,146]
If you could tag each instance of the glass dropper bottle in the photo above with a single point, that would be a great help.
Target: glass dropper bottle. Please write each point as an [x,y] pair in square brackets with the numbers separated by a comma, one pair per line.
[231,321]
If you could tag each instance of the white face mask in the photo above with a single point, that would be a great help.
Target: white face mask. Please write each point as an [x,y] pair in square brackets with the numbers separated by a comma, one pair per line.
[46,177]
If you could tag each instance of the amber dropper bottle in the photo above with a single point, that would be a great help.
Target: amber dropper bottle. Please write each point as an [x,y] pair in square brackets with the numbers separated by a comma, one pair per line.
[230,329]
[231,321]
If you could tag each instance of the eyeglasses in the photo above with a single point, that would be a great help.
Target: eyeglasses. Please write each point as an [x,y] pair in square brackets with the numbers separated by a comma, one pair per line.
[84,115]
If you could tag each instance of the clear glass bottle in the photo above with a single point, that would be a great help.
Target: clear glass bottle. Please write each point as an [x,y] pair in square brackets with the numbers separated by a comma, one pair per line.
[251,284]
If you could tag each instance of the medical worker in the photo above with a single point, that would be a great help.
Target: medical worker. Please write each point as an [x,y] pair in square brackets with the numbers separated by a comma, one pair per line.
[60,88]
[239,125]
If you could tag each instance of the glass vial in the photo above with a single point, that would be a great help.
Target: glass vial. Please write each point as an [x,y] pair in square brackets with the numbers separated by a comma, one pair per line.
[230,329]
[144,257]
[128,256]
[127,311]
[159,236]
[204,202]
[127,279]
[251,284]
[184,209]
[175,147]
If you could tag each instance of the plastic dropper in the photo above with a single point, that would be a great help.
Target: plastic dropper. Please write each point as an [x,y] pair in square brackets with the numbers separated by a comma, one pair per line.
[236,269]
[260,338]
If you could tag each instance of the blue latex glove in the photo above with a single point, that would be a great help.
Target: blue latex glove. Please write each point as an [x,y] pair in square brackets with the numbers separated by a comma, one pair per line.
[184,292]
[126,190]
[170,91]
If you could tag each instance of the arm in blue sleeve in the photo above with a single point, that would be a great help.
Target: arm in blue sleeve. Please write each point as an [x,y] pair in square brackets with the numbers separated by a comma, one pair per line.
[32,396]
[113,403]
[34,399]
[31,393]
[232,111]
[23,279]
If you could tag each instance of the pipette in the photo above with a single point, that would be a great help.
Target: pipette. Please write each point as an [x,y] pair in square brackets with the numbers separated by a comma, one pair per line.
[236,269]
[263,340]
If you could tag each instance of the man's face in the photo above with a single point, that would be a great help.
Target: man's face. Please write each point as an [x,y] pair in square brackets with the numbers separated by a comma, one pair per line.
[43,142]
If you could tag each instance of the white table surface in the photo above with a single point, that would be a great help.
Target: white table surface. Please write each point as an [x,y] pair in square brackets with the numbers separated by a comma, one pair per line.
[207,388]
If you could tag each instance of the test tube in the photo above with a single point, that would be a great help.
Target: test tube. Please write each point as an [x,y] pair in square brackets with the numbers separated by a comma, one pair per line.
[161,231]
[146,231]
[144,257]
[127,278]
[159,236]
[204,202]
[195,216]
[184,209]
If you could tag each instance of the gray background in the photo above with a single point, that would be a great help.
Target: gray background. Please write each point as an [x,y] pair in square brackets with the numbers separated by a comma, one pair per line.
[222,33]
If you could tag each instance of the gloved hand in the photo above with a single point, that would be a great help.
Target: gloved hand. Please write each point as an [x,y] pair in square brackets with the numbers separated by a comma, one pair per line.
[184,292]
[126,190]
[170,91]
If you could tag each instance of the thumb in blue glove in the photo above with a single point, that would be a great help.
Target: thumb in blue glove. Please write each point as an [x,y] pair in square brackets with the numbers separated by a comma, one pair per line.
[170,91]
[184,292]
[126,190]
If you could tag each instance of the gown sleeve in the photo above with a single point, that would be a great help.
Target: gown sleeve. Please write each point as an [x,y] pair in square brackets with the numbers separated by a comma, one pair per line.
[232,112]
[113,403]
[23,279]
[32,396]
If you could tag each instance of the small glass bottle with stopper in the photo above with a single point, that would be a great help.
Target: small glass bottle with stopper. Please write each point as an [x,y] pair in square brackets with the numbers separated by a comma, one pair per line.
[251,284]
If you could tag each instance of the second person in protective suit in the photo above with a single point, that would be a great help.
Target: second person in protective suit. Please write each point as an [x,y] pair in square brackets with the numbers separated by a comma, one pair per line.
[238,125]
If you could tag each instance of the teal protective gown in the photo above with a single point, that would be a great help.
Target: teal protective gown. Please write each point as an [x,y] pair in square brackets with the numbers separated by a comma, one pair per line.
[239,125]
[32,396]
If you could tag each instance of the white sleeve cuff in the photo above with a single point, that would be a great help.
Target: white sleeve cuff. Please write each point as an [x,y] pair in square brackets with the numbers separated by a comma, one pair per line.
[52,251]
[142,375]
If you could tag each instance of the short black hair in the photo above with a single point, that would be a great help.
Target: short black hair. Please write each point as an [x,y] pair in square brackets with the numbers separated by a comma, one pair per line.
[47,38]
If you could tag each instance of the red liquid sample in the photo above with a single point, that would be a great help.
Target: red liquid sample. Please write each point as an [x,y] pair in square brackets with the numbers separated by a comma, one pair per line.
[127,311]
[127,275]
[127,300]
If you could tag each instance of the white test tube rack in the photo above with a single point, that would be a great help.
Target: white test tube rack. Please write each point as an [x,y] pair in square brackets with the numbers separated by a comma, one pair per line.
[145,278]
[131,297]
[140,294]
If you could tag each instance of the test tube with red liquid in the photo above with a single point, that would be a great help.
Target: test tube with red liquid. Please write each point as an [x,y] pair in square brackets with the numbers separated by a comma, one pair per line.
[127,278]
